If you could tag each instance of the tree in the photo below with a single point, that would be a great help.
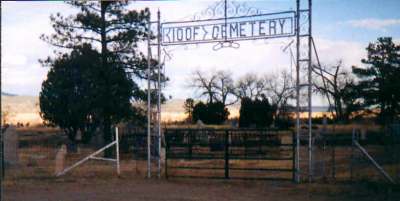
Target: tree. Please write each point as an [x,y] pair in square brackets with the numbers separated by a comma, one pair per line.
[335,83]
[210,113]
[378,83]
[217,113]
[258,113]
[351,101]
[217,87]
[189,106]
[250,86]
[225,88]
[116,32]
[200,112]
[70,95]
[280,88]
[205,84]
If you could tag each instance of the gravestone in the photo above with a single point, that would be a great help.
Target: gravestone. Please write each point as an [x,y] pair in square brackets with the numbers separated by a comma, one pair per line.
[98,139]
[199,123]
[363,135]
[60,159]
[10,146]
[72,147]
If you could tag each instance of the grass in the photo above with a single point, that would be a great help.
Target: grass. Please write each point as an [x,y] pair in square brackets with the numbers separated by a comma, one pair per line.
[38,147]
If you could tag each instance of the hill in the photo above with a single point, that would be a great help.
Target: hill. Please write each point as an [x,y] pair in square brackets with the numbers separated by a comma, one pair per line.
[20,109]
[25,109]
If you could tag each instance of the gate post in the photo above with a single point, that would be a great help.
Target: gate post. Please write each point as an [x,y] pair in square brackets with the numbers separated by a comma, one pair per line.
[294,169]
[166,153]
[190,145]
[226,155]
[333,160]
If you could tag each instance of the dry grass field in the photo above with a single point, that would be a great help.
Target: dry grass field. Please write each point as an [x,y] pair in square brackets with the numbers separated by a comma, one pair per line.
[33,180]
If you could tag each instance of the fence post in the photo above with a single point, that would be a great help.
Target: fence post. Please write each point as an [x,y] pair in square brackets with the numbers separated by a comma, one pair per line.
[226,154]
[166,153]
[294,170]
[190,141]
[117,150]
[333,160]
[352,154]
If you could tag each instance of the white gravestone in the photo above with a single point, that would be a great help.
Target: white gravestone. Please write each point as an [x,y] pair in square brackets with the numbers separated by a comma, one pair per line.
[60,159]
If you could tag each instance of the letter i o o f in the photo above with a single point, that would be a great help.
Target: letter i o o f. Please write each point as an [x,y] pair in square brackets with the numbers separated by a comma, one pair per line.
[179,34]
[188,33]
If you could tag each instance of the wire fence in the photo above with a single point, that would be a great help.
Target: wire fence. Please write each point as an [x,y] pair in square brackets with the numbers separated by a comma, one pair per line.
[335,158]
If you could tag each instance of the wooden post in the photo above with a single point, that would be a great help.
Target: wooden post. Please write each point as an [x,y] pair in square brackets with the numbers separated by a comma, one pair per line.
[226,154]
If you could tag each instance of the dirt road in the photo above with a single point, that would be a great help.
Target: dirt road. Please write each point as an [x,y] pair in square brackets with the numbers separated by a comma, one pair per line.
[126,189]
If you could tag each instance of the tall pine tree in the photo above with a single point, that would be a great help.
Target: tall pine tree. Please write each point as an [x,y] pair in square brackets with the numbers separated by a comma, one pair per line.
[379,84]
[116,32]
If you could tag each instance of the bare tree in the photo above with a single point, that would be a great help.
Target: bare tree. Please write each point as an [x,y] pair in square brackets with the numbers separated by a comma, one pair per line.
[250,86]
[217,86]
[280,88]
[225,88]
[333,81]
[204,84]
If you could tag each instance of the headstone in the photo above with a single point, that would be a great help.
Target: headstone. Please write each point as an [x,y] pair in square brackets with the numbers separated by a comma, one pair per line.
[324,124]
[78,136]
[363,134]
[10,146]
[200,123]
[72,147]
[98,139]
[60,159]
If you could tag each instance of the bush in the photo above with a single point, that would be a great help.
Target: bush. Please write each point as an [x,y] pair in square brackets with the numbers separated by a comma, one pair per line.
[211,113]
[255,113]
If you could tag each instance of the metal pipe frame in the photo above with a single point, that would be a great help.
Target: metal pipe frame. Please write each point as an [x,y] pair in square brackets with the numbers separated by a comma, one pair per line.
[94,157]
[297,91]
[159,94]
[298,36]
[148,102]
[310,165]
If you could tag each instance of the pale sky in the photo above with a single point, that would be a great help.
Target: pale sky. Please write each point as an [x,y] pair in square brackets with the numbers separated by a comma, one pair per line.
[341,29]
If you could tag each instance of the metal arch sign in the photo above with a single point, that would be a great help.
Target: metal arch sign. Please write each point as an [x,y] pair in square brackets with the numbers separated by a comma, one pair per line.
[260,26]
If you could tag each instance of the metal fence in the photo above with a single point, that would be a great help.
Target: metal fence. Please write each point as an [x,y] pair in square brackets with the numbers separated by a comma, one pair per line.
[338,158]
[230,153]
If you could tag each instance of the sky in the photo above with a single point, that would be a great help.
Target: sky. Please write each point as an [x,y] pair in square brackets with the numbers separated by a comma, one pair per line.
[341,29]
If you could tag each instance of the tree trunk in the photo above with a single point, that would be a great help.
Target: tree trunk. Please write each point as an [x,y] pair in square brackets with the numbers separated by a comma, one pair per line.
[106,115]
[107,137]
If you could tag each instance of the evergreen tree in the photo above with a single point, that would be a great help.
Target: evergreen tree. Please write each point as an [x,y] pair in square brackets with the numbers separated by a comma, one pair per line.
[189,106]
[379,84]
[200,112]
[70,95]
[210,113]
[115,31]
[257,112]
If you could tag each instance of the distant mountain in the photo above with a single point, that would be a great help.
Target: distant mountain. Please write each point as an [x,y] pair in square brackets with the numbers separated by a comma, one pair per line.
[7,94]
[25,109]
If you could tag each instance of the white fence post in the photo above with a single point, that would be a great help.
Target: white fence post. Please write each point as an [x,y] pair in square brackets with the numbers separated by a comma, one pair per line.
[117,149]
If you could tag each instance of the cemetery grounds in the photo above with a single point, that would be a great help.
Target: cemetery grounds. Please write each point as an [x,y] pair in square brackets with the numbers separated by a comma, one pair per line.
[33,180]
